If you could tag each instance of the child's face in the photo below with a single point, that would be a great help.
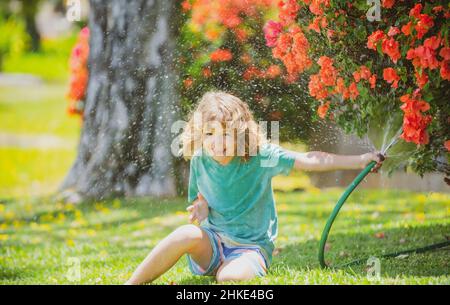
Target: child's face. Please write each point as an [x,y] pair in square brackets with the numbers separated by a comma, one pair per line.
[218,140]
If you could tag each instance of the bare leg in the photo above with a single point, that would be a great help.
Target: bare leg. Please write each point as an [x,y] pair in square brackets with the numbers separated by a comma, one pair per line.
[188,239]
[238,269]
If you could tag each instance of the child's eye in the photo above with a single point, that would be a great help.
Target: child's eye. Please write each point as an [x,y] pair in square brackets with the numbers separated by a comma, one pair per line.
[209,133]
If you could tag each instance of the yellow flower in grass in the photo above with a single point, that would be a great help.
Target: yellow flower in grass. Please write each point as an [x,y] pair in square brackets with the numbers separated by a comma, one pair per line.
[28,207]
[3,226]
[61,218]
[91,232]
[381,208]
[17,224]
[105,210]
[2,208]
[9,215]
[313,190]
[116,204]
[283,207]
[45,227]
[72,232]
[69,207]
[421,198]
[420,217]
[70,242]
[47,217]
[3,237]
[78,214]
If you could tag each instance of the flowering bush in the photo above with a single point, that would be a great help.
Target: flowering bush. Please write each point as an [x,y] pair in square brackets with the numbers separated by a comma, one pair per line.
[360,71]
[78,73]
[222,46]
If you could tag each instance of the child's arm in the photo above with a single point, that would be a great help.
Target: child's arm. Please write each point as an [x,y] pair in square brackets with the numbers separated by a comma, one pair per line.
[322,161]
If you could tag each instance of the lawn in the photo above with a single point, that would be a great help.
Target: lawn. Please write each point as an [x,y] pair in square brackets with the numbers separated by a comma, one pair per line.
[40,238]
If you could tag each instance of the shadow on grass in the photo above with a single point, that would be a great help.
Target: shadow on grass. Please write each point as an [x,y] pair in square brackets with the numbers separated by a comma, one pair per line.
[13,273]
[146,208]
[344,248]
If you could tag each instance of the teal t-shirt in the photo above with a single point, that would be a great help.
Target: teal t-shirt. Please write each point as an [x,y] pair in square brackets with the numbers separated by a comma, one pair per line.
[240,194]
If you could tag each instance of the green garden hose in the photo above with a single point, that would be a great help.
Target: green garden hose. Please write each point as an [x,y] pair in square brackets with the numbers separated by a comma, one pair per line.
[335,212]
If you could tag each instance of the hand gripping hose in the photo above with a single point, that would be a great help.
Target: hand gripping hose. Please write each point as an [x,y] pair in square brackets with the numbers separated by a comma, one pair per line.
[335,212]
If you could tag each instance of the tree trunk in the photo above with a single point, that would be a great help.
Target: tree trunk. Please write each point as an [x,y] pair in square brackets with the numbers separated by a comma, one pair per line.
[131,102]
[30,9]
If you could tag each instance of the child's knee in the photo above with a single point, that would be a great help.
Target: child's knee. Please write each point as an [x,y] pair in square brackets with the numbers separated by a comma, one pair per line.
[234,272]
[189,235]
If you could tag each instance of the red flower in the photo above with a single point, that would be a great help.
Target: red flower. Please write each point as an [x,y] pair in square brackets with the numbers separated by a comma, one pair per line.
[273,71]
[292,50]
[373,81]
[445,69]
[390,76]
[415,11]
[318,22]
[445,53]
[365,72]
[316,6]
[340,86]
[188,82]
[414,122]
[447,145]
[221,55]
[272,30]
[423,25]
[288,11]
[393,31]
[391,48]
[353,91]
[406,29]
[388,3]
[357,76]
[252,72]
[438,9]
[432,42]
[186,5]
[79,73]
[374,38]
[241,34]
[316,88]
[207,72]
[421,79]
[327,72]
[78,85]
[424,56]
[323,109]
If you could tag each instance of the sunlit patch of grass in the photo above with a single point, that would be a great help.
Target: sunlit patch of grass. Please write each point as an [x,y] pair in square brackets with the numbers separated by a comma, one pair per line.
[28,172]
[36,110]
[51,63]
[38,237]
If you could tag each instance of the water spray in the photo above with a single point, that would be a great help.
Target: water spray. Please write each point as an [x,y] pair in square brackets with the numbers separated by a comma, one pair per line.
[341,202]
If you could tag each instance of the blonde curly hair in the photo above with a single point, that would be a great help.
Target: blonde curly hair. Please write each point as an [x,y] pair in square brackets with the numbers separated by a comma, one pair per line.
[232,113]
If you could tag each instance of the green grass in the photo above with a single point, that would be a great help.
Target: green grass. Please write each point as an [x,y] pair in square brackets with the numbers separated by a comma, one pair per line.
[51,63]
[31,172]
[37,110]
[38,237]
[27,168]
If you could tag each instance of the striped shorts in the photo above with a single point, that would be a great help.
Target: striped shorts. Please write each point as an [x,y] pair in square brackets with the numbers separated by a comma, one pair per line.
[225,250]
